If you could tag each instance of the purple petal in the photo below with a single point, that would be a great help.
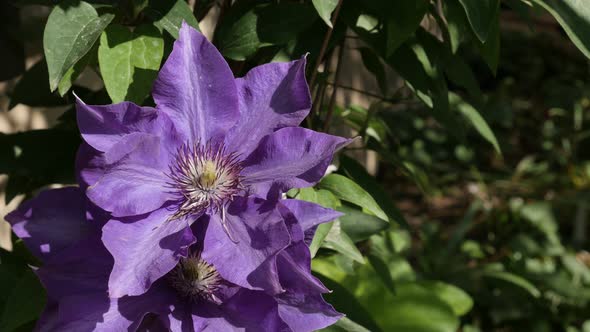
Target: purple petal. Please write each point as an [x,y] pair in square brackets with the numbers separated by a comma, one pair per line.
[102,126]
[294,266]
[90,165]
[271,96]
[137,183]
[252,311]
[292,157]
[182,319]
[52,221]
[196,88]
[97,312]
[145,248]
[79,269]
[294,263]
[259,233]
[306,312]
[309,214]
[91,312]
[49,319]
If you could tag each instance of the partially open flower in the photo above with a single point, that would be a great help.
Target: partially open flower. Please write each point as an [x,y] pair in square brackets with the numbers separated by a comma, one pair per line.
[211,142]
[191,296]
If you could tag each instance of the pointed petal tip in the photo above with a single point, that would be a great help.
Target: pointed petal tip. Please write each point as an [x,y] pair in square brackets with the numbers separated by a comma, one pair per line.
[78,99]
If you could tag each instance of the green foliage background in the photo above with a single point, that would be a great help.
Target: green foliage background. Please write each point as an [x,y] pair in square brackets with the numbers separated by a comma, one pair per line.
[477,219]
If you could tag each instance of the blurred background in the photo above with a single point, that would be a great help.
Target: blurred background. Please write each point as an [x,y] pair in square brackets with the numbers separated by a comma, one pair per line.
[482,209]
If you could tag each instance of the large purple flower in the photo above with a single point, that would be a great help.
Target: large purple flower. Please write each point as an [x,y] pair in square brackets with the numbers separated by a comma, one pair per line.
[63,230]
[211,142]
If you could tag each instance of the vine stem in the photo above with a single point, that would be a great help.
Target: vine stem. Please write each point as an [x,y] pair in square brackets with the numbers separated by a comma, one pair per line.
[314,73]
[335,87]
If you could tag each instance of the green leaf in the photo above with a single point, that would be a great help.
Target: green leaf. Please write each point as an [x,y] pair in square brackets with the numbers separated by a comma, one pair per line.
[481,15]
[72,74]
[238,40]
[515,280]
[72,28]
[455,297]
[278,24]
[462,228]
[129,61]
[326,199]
[459,72]
[475,119]
[490,49]
[403,19]
[338,240]
[374,65]
[367,22]
[419,62]
[359,174]
[168,15]
[349,191]
[457,24]
[319,237]
[417,309]
[412,308]
[358,225]
[344,301]
[243,31]
[380,266]
[27,299]
[35,79]
[344,324]
[574,17]
[325,9]
[322,197]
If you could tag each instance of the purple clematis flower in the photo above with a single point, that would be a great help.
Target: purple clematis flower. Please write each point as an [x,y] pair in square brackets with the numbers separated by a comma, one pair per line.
[210,147]
[63,230]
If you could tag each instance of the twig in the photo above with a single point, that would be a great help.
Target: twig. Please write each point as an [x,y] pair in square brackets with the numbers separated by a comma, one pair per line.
[335,87]
[374,95]
[319,93]
[325,44]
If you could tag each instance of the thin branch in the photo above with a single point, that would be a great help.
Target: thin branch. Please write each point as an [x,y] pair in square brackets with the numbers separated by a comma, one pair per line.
[374,95]
[320,92]
[370,94]
[325,44]
[335,87]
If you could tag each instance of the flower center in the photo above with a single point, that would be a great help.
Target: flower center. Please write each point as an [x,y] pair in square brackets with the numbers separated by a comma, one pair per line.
[204,176]
[195,279]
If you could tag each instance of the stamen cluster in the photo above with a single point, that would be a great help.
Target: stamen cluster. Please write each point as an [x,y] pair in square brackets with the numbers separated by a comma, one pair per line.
[195,279]
[204,176]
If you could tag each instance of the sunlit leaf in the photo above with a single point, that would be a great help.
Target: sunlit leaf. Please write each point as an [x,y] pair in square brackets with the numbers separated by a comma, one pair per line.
[338,240]
[514,280]
[129,61]
[72,28]
[347,190]
[574,17]
[359,225]
[169,15]
[455,297]
[325,9]
[475,119]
